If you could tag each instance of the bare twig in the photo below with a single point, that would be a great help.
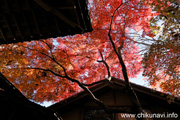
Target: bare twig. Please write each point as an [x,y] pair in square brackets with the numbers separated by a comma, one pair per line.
[46,70]
[52,58]
[94,83]
[50,48]
[105,63]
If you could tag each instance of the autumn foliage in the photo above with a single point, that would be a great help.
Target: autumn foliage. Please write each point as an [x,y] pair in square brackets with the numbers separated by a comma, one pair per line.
[38,68]
[162,61]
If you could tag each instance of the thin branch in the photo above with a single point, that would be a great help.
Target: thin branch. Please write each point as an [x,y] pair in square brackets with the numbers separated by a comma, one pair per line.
[114,14]
[106,8]
[37,51]
[52,58]
[50,48]
[141,43]
[105,63]
[68,58]
[94,83]
[46,70]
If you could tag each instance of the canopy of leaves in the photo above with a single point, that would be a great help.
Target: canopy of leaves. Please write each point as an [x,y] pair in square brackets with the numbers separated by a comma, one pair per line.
[162,61]
[40,68]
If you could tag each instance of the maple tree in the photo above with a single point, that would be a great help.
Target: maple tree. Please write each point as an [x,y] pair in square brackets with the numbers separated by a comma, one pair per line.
[56,68]
[38,68]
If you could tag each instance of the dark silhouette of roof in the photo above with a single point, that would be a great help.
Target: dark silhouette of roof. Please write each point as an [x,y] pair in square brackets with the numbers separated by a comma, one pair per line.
[25,20]
[7,86]
[115,83]
[14,105]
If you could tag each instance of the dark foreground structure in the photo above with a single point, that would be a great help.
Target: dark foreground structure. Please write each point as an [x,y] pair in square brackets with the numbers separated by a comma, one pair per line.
[114,94]
[26,20]
[15,106]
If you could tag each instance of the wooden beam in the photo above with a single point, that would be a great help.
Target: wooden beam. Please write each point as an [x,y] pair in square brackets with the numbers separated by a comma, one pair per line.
[82,15]
[3,36]
[57,13]
[10,29]
[24,18]
[17,25]
[65,8]
[57,25]
[34,18]
[35,21]
[12,38]
[75,11]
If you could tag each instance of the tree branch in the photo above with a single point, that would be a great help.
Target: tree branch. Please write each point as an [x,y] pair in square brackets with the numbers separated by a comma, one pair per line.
[94,83]
[130,90]
[50,48]
[51,57]
[46,70]
[107,66]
